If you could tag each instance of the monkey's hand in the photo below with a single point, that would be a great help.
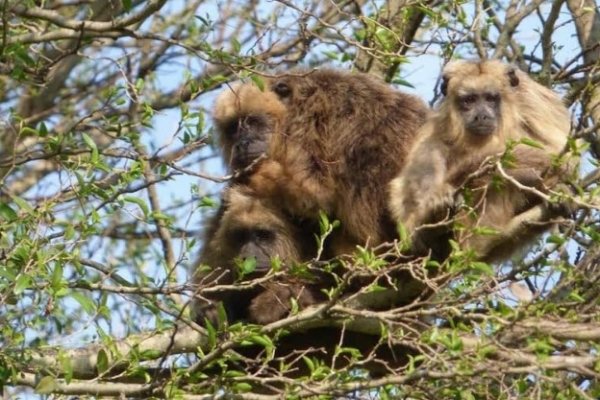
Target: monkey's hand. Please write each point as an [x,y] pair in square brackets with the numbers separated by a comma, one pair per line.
[431,224]
[204,310]
[527,177]
[439,206]
[277,300]
[271,305]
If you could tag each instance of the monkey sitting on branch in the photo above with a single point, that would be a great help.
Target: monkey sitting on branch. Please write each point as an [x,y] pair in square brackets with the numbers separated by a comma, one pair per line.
[242,241]
[491,112]
[330,139]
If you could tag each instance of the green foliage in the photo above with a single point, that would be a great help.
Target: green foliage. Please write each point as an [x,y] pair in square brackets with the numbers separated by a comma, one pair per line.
[106,179]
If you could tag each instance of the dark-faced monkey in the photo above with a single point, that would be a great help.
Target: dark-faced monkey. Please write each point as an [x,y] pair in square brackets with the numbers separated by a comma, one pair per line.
[332,140]
[487,106]
[250,228]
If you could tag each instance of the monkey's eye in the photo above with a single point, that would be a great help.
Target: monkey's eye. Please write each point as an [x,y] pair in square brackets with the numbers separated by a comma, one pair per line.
[254,121]
[230,130]
[492,98]
[282,89]
[468,100]
[263,235]
[239,236]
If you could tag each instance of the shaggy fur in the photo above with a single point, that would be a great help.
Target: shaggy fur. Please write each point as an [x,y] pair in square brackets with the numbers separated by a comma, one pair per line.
[331,139]
[446,153]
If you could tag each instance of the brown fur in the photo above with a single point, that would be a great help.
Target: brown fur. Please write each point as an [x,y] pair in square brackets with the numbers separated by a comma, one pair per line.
[331,139]
[246,227]
[446,154]
[340,137]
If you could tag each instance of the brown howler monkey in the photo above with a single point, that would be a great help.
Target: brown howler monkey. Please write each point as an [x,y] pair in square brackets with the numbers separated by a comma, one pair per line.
[331,139]
[246,227]
[334,137]
[486,105]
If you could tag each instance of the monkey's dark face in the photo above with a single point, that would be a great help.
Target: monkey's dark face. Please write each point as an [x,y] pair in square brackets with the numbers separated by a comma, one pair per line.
[249,138]
[480,112]
[254,243]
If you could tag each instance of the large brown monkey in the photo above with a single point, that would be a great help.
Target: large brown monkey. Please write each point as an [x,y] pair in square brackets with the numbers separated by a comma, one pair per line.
[246,227]
[331,139]
[486,105]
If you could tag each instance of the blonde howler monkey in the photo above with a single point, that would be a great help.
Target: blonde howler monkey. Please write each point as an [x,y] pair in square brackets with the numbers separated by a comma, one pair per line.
[487,105]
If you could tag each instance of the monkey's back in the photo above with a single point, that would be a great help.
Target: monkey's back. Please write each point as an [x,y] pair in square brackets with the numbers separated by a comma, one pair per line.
[353,132]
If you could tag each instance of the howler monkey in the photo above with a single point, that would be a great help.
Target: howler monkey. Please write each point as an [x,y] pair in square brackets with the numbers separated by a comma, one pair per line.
[488,107]
[246,228]
[332,140]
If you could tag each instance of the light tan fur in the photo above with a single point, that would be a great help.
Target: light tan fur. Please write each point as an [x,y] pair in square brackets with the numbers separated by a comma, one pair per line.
[445,155]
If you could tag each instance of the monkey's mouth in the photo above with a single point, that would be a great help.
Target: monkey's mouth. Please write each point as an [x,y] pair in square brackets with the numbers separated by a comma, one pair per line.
[482,129]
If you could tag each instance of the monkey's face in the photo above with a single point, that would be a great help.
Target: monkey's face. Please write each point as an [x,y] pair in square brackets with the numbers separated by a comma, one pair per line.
[476,90]
[248,138]
[252,229]
[246,117]
[480,112]
[257,244]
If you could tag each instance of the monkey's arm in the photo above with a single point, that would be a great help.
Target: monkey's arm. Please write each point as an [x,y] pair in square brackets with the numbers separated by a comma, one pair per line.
[534,167]
[421,193]
[294,185]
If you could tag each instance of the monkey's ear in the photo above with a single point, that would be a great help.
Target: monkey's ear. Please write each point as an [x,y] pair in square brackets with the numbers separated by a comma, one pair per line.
[512,77]
[444,85]
[282,89]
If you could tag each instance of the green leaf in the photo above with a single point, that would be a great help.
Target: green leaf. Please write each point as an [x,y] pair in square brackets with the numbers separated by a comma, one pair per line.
[7,213]
[23,282]
[102,361]
[57,275]
[28,131]
[140,202]
[86,303]
[331,55]
[402,82]
[309,363]
[242,387]
[235,45]
[23,205]
[259,82]
[556,239]
[46,385]
[482,267]
[530,142]
[90,143]
[66,365]
[42,130]
[264,341]
[247,265]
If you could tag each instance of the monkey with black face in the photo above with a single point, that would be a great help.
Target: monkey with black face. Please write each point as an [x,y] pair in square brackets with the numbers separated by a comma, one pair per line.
[332,137]
[247,228]
[245,118]
[487,104]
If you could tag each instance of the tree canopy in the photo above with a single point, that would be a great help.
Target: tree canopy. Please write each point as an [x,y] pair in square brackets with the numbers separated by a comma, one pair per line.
[108,170]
